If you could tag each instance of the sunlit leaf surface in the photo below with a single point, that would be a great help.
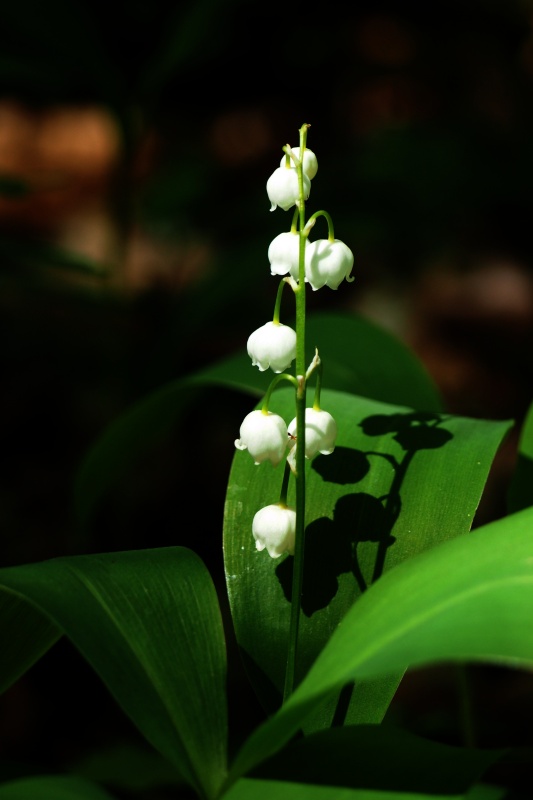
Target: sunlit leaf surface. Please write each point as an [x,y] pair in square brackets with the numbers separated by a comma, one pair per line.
[399,482]
[469,599]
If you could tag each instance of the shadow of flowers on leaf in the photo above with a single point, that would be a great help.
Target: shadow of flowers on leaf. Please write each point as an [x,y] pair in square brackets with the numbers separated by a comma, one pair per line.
[331,548]
[415,430]
[331,545]
[344,466]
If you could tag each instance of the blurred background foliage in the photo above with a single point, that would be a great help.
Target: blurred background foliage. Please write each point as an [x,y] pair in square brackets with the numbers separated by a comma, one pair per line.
[135,144]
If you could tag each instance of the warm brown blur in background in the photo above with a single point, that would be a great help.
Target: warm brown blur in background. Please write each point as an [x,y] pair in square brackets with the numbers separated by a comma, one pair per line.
[134,224]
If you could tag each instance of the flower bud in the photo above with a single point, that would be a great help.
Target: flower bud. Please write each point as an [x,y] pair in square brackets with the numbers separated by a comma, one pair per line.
[273,345]
[282,188]
[264,435]
[320,432]
[284,254]
[328,263]
[310,164]
[274,528]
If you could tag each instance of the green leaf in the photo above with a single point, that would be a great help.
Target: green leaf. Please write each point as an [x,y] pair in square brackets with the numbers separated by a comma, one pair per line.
[52,787]
[469,599]
[26,634]
[248,789]
[360,357]
[520,492]
[127,766]
[387,759]
[399,482]
[389,372]
[485,791]
[149,623]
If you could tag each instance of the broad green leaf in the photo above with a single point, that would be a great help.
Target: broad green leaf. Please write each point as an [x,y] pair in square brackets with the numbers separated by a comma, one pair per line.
[465,600]
[249,789]
[52,787]
[412,763]
[360,357]
[486,791]
[149,624]
[399,482]
[388,372]
[126,766]
[26,634]
[109,458]
[520,493]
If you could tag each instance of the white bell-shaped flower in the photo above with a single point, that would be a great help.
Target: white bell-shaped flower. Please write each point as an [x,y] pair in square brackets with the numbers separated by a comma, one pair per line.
[282,188]
[320,432]
[264,435]
[272,345]
[284,254]
[328,263]
[274,528]
[310,163]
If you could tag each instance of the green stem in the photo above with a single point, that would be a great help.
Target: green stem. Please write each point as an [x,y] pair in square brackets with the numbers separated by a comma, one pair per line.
[294,223]
[298,564]
[277,305]
[313,218]
[316,366]
[283,376]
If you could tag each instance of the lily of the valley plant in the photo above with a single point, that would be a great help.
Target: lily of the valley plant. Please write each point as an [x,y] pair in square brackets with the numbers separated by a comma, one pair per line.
[324,262]
[351,557]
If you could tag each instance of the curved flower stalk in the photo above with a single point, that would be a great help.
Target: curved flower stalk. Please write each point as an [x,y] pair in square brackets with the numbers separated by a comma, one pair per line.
[310,163]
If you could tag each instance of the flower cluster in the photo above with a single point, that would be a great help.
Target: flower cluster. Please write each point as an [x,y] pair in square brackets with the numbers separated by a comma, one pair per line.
[267,437]
[326,262]
[283,187]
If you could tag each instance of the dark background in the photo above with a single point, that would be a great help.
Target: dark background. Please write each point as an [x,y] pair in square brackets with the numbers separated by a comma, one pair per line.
[135,144]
